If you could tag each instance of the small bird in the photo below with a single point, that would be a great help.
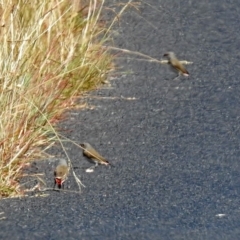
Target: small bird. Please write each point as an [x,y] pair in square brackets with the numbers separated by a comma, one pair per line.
[91,153]
[61,173]
[176,64]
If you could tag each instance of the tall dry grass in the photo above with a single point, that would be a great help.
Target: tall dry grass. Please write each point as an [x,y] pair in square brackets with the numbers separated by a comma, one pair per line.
[50,52]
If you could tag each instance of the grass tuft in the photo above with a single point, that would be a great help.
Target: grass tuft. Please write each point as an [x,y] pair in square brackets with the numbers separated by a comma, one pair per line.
[50,52]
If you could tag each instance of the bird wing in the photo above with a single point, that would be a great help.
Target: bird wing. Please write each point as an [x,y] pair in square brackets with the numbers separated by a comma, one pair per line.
[179,66]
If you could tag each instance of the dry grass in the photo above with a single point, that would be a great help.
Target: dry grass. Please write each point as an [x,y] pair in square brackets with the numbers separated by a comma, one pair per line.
[50,52]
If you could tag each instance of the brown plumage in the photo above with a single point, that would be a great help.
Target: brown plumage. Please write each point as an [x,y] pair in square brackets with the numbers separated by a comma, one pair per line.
[91,153]
[61,173]
[176,64]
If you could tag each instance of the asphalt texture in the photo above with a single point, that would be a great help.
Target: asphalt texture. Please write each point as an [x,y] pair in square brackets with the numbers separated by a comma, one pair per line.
[174,144]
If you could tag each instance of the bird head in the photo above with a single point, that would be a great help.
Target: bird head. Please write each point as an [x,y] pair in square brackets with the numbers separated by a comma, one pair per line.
[85,145]
[170,55]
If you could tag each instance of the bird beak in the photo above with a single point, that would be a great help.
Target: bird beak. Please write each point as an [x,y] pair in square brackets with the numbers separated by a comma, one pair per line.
[165,54]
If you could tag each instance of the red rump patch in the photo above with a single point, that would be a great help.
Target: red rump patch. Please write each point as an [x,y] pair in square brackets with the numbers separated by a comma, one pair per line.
[58,181]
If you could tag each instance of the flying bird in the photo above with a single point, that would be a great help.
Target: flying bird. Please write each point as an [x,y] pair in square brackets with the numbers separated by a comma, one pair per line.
[176,64]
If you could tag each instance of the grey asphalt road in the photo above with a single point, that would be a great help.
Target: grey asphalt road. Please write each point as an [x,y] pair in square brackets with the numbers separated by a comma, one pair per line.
[174,143]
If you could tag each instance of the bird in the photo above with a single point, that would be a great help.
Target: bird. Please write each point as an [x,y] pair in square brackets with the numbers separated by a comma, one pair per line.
[61,173]
[176,64]
[91,153]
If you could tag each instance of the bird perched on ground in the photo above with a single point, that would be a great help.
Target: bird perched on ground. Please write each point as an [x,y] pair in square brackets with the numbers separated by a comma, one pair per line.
[92,154]
[61,173]
[176,64]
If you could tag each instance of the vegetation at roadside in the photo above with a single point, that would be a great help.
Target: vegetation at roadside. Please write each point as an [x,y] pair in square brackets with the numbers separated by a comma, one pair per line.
[50,52]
